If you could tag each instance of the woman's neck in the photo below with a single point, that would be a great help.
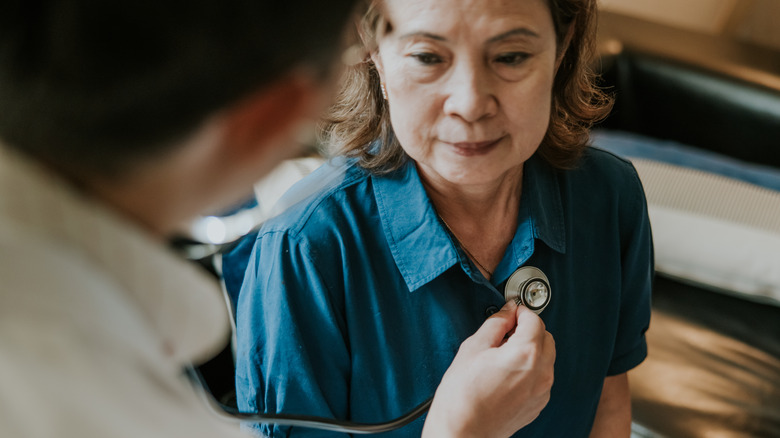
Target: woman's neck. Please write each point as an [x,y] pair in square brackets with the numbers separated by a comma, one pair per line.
[497,198]
[483,217]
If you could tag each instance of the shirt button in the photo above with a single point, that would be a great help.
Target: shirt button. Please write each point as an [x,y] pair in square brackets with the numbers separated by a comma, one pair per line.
[490,311]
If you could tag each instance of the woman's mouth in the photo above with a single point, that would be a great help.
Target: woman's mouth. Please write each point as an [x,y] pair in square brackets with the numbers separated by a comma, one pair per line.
[469,149]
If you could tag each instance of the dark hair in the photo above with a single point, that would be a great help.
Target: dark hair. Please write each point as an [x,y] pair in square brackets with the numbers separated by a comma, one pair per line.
[92,85]
[360,115]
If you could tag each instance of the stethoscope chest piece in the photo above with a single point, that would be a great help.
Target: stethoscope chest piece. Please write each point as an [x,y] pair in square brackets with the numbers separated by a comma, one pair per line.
[529,287]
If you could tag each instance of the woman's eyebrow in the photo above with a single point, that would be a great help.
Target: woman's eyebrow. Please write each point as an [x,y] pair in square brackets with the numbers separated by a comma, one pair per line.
[522,31]
[422,34]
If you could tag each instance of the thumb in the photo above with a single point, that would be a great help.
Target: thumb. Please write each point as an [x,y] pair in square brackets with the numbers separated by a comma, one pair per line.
[494,329]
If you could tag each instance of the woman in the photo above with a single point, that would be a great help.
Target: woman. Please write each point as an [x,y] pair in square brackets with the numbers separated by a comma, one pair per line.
[465,134]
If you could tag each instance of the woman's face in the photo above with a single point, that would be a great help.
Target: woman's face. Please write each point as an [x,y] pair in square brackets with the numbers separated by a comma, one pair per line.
[469,83]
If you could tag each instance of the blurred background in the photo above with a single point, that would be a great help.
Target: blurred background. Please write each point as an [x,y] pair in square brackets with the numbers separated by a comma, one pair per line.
[697,110]
[751,21]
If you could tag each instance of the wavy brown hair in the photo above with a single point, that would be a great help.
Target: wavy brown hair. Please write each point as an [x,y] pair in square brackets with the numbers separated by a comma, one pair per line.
[358,124]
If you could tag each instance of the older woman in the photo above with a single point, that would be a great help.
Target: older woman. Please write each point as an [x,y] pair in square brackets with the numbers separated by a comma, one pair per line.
[465,134]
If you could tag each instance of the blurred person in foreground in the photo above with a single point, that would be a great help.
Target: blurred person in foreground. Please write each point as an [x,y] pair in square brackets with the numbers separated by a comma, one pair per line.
[119,122]
[463,156]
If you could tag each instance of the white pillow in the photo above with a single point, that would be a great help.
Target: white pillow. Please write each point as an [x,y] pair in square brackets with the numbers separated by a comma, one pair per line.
[712,230]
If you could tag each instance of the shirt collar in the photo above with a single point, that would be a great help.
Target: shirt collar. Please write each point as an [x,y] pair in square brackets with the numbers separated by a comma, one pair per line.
[423,250]
[182,303]
[420,246]
[542,196]
[540,217]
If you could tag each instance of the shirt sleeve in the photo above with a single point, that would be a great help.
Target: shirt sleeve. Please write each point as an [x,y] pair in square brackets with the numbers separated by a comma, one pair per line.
[292,352]
[637,278]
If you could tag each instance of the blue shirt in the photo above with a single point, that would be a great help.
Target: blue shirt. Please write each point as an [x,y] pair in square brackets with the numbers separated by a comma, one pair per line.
[356,300]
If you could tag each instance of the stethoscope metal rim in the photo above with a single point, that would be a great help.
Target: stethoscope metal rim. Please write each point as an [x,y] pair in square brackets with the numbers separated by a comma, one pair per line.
[519,282]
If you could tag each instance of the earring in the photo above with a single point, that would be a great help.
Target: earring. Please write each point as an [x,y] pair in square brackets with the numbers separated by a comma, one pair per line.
[384,90]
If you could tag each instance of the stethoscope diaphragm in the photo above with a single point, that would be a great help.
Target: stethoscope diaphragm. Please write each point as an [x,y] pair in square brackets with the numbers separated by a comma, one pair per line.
[529,287]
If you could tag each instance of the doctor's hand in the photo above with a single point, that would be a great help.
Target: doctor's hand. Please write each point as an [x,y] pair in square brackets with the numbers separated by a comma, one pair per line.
[499,381]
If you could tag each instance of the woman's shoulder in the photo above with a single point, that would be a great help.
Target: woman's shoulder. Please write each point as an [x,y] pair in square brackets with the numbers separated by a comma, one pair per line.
[606,161]
[604,169]
[606,180]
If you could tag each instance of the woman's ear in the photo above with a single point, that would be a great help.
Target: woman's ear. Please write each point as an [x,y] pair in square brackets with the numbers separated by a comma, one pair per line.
[376,58]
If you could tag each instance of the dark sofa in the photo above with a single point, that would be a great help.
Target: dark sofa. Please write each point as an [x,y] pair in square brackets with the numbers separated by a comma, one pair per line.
[713,368]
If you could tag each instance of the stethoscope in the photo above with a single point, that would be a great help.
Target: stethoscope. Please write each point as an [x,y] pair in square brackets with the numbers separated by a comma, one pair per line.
[527,286]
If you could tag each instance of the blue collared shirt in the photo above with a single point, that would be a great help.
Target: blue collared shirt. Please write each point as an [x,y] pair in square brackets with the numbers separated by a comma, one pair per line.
[356,300]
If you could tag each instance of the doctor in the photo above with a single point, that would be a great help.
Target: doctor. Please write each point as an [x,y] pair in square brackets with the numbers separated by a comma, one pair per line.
[119,122]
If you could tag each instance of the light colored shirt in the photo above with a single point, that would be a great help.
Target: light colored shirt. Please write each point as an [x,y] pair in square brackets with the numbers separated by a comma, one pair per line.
[356,300]
[97,319]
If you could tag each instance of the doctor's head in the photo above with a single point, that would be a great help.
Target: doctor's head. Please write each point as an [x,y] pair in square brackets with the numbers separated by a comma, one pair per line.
[99,89]
[469,89]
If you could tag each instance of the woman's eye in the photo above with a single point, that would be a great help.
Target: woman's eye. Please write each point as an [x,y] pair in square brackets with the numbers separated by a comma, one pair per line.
[512,58]
[426,58]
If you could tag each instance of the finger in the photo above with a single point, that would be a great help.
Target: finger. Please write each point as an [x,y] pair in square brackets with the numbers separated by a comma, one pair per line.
[549,351]
[494,329]
[530,328]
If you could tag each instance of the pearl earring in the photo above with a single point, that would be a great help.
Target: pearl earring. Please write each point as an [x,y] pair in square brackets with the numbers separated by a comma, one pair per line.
[384,90]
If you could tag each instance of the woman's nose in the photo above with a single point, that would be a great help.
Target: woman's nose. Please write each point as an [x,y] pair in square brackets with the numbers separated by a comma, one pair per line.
[469,94]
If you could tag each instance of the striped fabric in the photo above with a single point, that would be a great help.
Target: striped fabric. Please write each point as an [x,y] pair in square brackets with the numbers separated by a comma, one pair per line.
[709,194]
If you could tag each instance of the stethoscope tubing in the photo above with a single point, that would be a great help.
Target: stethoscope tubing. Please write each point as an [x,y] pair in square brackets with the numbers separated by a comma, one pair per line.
[321,423]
